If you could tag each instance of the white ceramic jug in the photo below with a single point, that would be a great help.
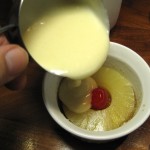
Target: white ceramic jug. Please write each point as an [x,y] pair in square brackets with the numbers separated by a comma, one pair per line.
[113,9]
[25,11]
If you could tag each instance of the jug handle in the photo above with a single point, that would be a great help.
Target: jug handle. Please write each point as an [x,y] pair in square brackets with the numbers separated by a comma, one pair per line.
[6,28]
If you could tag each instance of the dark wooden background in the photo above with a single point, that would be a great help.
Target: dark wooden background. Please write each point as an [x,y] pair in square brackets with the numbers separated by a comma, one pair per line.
[24,121]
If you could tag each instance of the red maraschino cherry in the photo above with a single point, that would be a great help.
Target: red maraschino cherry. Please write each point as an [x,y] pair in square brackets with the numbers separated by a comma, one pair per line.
[101,99]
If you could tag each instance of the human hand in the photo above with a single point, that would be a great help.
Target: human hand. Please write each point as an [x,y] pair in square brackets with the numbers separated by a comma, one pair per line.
[13,61]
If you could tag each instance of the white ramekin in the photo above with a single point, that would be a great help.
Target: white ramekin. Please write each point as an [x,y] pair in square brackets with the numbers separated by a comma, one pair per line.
[136,70]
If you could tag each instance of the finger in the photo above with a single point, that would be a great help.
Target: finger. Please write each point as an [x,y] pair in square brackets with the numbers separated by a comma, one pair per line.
[13,61]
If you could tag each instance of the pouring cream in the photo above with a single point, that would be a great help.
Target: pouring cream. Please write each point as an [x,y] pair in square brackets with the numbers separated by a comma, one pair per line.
[71,41]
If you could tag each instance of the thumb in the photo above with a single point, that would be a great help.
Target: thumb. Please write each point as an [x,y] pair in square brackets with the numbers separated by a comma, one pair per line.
[13,61]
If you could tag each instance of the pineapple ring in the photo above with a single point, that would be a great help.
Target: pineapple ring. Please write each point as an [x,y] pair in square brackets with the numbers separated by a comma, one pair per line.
[122,107]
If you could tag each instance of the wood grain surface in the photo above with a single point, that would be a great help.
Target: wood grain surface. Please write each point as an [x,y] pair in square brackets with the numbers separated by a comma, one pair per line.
[24,121]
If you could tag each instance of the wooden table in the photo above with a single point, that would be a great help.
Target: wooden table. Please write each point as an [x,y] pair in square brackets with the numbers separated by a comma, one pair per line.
[24,121]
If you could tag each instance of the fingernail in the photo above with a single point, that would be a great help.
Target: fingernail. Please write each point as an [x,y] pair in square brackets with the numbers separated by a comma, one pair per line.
[12,61]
